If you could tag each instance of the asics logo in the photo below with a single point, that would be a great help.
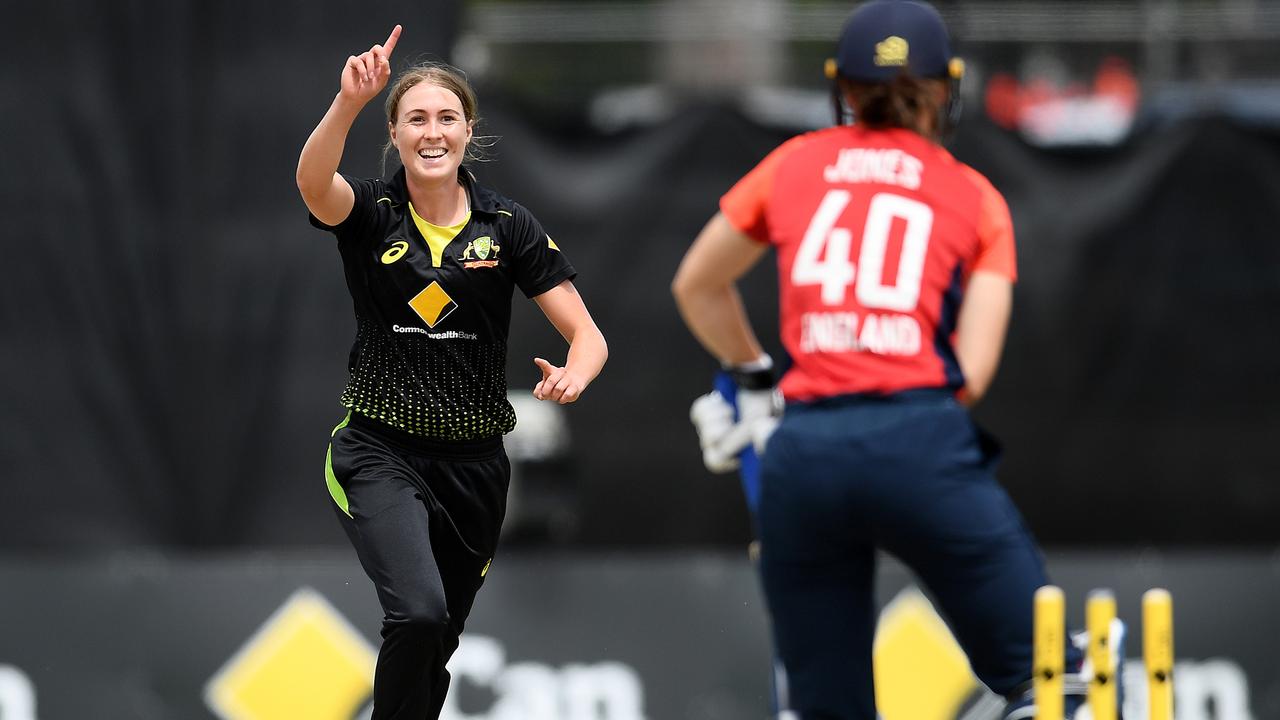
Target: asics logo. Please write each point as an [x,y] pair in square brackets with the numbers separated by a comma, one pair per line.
[395,252]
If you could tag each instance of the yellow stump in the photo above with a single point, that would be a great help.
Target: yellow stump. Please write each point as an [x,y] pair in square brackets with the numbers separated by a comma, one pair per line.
[1157,651]
[1099,611]
[1049,652]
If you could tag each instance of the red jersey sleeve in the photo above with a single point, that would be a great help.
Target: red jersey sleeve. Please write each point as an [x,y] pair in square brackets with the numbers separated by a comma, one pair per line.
[745,203]
[996,251]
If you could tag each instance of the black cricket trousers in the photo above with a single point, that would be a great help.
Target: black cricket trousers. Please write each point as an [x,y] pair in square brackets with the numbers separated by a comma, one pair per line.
[424,518]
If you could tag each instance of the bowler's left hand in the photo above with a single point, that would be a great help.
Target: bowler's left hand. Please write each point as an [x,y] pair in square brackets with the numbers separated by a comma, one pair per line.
[557,383]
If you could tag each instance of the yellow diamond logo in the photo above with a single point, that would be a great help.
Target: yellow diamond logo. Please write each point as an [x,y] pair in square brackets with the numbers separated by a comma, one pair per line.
[306,661]
[921,672]
[433,304]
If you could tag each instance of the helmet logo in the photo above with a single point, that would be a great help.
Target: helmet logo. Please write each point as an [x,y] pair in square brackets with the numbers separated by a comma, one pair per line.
[892,51]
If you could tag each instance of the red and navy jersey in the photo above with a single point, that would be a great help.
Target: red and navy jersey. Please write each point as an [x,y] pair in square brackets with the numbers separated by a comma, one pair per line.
[877,233]
[430,351]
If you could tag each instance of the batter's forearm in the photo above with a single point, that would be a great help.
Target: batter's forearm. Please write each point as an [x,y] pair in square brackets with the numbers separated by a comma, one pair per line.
[718,320]
[980,331]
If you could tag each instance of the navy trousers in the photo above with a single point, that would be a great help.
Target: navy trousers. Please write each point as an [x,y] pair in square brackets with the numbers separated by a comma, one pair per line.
[910,474]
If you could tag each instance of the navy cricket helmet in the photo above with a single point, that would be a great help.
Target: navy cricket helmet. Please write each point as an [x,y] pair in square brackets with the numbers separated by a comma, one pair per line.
[884,38]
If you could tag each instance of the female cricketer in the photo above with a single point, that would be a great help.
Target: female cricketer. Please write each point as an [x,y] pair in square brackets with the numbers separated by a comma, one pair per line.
[417,470]
[895,272]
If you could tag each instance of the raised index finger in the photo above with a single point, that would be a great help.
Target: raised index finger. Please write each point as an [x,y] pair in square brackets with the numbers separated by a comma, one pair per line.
[390,44]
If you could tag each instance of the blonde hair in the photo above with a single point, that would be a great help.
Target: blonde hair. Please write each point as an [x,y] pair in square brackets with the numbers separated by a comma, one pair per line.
[452,79]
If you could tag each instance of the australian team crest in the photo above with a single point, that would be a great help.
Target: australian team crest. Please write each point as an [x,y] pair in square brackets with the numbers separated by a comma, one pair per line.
[483,247]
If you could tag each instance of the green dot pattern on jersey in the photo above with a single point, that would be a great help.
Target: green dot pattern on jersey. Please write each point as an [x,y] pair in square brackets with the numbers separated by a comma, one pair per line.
[453,389]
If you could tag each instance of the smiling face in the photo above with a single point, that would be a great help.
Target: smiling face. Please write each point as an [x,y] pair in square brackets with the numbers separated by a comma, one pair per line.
[431,132]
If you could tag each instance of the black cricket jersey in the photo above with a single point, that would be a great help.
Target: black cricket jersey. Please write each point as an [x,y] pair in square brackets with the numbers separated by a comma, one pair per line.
[430,352]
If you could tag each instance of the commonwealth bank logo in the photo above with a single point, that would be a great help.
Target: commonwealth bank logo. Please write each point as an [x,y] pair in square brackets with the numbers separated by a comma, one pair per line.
[306,661]
[920,671]
[433,304]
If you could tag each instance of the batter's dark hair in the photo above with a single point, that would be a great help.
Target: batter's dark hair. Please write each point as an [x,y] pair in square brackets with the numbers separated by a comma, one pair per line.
[906,101]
